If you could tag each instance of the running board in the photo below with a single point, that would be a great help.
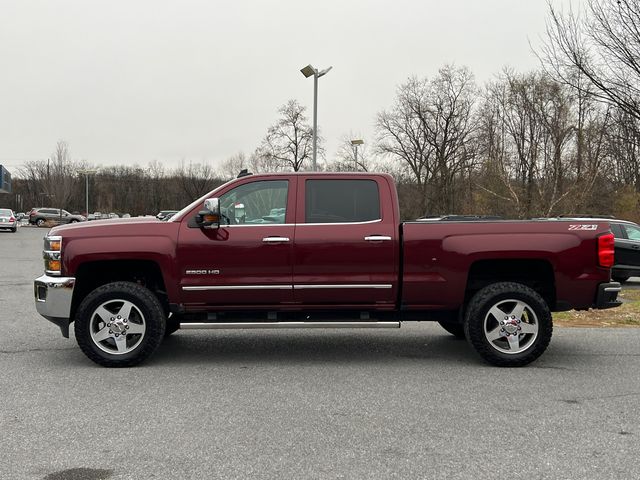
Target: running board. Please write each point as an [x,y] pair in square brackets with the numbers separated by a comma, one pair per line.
[239,325]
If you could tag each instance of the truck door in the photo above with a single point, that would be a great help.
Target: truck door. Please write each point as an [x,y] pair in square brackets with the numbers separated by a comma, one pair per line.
[248,260]
[345,250]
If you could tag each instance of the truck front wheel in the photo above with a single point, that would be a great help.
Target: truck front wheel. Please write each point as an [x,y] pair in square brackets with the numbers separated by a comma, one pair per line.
[119,324]
[509,324]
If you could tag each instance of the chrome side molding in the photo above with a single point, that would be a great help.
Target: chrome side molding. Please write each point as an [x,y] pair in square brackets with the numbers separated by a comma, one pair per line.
[256,325]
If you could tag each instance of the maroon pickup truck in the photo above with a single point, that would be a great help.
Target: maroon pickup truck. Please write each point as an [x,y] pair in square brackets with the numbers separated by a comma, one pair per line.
[319,250]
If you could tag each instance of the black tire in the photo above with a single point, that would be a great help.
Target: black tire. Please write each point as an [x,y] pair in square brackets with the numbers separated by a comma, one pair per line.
[620,279]
[454,328]
[148,317]
[40,222]
[14,230]
[73,221]
[505,350]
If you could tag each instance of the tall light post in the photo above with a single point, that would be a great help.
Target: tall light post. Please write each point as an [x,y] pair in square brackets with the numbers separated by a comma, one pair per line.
[86,174]
[355,144]
[307,72]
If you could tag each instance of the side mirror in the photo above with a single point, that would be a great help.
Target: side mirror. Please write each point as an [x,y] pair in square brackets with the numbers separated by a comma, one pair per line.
[210,216]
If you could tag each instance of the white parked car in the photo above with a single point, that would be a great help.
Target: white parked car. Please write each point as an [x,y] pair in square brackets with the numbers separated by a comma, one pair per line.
[8,220]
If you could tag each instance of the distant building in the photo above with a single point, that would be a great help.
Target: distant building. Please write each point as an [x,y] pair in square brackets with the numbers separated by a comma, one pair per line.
[5,180]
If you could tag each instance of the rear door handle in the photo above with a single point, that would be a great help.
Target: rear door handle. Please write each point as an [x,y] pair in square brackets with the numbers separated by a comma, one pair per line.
[275,239]
[377,238]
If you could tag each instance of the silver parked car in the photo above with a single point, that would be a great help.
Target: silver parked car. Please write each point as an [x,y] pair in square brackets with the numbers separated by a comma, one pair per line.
[39,216]
[8,220]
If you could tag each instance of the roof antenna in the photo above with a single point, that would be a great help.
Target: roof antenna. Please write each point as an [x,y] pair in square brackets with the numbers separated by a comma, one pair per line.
[243,173]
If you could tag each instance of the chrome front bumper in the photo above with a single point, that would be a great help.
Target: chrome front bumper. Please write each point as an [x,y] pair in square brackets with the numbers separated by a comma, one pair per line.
[53,297]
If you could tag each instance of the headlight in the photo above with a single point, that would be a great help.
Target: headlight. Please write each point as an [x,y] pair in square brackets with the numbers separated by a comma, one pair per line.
[52,255]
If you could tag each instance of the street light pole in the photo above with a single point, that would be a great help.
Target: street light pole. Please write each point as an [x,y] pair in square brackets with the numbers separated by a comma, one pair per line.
[307,72]
[86,179]
[355,144]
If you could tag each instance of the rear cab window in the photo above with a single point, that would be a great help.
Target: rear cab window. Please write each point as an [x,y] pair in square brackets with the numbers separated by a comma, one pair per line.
[341,201]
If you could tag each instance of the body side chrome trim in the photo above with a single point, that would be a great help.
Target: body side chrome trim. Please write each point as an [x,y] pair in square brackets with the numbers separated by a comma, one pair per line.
[256,325]
[340,223]
[342,286]
[198,288]
[298,224]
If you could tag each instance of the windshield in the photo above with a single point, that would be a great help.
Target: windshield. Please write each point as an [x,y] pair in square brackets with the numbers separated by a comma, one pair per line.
[5,213]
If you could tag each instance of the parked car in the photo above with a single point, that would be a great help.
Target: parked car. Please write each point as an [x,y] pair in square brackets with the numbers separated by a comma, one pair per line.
[39,216]
[113,215]
[166,214]
[319,250]
[627,246]
[8,220]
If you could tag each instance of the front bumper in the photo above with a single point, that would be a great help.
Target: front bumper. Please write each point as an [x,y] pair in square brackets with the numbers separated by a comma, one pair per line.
[608,295]
[53,297]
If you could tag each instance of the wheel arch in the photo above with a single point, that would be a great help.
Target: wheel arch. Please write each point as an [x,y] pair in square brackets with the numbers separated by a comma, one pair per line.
[537,274]
[91,275]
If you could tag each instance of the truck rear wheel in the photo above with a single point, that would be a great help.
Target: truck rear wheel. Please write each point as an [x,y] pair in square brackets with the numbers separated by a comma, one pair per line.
[509,324]
[119,324]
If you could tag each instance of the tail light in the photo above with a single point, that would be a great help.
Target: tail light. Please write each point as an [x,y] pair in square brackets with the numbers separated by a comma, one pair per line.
[12,219]
[606,250]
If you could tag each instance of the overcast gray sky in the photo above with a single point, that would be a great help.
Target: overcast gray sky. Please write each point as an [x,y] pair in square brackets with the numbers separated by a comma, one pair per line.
[127,82]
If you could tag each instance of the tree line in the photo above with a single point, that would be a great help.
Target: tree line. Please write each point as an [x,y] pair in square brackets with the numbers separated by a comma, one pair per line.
[563,139]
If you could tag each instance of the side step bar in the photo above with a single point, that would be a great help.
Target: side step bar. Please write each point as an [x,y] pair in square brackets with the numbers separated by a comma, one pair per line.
[240,325]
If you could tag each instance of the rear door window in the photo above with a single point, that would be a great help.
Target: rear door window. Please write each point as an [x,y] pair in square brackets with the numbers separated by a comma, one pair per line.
[341,201]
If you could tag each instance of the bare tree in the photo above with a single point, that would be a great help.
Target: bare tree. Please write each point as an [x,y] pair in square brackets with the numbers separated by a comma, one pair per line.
[289,143]
[346,160]
[602,45]
[233,165]
[61,175]
[402,135]
[196,179]
[431,129]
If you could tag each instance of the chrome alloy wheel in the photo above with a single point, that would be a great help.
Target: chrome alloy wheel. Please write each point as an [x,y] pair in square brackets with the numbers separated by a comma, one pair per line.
[117,327]
[511,326]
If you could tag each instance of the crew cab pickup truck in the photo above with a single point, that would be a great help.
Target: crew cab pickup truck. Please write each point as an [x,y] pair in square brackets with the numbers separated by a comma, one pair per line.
[309,250]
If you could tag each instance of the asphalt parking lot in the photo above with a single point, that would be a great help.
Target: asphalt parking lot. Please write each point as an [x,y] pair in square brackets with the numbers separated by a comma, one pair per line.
[348,404]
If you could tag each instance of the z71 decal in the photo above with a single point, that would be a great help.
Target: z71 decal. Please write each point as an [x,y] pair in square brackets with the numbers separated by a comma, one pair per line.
[583,227]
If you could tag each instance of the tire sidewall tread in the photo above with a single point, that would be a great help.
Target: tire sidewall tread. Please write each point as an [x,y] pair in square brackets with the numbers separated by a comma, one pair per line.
[144,300]
[478,308]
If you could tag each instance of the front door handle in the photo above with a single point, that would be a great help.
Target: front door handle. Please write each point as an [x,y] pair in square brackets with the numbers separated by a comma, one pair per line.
[275,239]
[377,238]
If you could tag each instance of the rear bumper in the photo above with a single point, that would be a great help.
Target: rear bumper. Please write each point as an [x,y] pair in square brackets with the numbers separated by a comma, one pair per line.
[53,297]
[608,295]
